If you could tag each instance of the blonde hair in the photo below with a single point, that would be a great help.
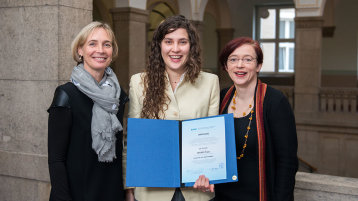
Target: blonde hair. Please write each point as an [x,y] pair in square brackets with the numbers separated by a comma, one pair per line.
[82,36]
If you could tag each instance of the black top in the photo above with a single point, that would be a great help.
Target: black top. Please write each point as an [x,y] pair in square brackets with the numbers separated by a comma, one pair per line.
[280,153]
[247,187]
[75,172]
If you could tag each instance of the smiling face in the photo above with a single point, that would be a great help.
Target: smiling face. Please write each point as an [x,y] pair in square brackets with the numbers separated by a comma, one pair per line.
[175,50]
[97,51]
[241,71]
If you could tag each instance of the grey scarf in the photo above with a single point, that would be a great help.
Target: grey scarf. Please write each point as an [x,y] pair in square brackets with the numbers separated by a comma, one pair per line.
[105,97]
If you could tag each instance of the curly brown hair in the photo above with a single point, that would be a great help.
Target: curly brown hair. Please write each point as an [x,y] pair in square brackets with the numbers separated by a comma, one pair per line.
[155,100]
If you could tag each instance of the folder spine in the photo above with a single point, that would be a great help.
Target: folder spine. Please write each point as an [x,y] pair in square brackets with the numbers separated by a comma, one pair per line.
[180,153]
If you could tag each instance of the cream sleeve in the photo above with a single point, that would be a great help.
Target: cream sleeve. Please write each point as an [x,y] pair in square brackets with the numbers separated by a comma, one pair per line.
[215,97]
[135,108]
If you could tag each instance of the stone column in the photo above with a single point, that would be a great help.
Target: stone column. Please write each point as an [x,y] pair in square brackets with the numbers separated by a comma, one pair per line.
[35,59]
[224,36]
[199,25]
[130,27]
[308,65]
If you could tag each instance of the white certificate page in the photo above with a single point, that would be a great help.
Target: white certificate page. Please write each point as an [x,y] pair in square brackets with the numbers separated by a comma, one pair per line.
[203,149]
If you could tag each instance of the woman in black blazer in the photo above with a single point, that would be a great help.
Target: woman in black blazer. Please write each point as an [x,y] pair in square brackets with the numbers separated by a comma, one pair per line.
[85,123]
[266,139]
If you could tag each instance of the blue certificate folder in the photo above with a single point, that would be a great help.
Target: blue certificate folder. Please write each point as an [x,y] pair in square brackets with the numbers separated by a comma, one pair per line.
[154,153]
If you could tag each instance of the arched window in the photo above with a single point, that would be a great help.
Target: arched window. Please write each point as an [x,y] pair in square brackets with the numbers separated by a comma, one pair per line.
[158,13]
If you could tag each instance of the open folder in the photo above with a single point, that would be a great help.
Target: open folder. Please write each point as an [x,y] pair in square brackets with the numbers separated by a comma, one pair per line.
[171,153]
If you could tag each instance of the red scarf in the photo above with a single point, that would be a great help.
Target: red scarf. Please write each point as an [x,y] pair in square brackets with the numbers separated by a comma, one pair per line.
[260,95]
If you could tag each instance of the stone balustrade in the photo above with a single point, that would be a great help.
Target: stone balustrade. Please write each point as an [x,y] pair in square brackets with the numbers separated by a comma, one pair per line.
[331,99]
[338,100]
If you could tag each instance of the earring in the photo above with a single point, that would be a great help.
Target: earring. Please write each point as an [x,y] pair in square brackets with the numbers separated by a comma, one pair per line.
[80,57]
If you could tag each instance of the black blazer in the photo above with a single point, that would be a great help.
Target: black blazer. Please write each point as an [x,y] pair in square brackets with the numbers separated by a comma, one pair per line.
[75,172]
[281,145]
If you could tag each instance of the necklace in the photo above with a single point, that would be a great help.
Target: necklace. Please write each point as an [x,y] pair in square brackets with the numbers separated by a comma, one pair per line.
[246,136]
[176,81]
[233,107]
[247,128]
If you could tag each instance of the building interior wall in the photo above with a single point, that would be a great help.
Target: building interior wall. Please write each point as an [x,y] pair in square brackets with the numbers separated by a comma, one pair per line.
[339,52]
[339,62]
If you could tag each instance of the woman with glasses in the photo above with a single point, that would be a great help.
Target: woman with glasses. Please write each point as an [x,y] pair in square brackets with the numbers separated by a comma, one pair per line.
[266,140]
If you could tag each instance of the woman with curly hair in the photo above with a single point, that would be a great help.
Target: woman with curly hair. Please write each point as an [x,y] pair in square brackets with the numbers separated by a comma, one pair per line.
[174,87]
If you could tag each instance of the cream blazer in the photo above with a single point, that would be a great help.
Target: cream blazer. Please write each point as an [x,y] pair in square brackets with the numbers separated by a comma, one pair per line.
[200,99]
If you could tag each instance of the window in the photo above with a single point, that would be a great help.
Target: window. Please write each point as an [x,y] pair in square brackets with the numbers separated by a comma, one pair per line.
[275,29]
[159,12]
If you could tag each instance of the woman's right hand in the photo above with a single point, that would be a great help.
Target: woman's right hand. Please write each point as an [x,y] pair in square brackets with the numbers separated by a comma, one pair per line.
[202,184]
[130,194]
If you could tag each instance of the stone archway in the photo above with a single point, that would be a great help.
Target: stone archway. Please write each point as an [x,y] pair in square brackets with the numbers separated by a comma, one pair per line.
[158,11]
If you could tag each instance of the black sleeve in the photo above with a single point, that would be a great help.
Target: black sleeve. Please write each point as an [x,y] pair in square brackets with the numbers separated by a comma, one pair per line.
[223,93]
[283,130]
[123,99]
[59,127]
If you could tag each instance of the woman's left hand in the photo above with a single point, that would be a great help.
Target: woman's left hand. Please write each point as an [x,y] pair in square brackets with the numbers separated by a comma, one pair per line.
[202,184]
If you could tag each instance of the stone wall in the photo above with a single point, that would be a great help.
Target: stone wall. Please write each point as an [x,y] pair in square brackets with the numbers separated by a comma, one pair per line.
[35,58]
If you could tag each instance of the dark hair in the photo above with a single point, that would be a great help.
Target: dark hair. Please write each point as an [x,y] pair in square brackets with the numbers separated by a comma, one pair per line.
[238,42]
[155,99]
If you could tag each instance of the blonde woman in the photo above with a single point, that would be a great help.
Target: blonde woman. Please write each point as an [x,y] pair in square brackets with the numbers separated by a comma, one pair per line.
[85,123]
